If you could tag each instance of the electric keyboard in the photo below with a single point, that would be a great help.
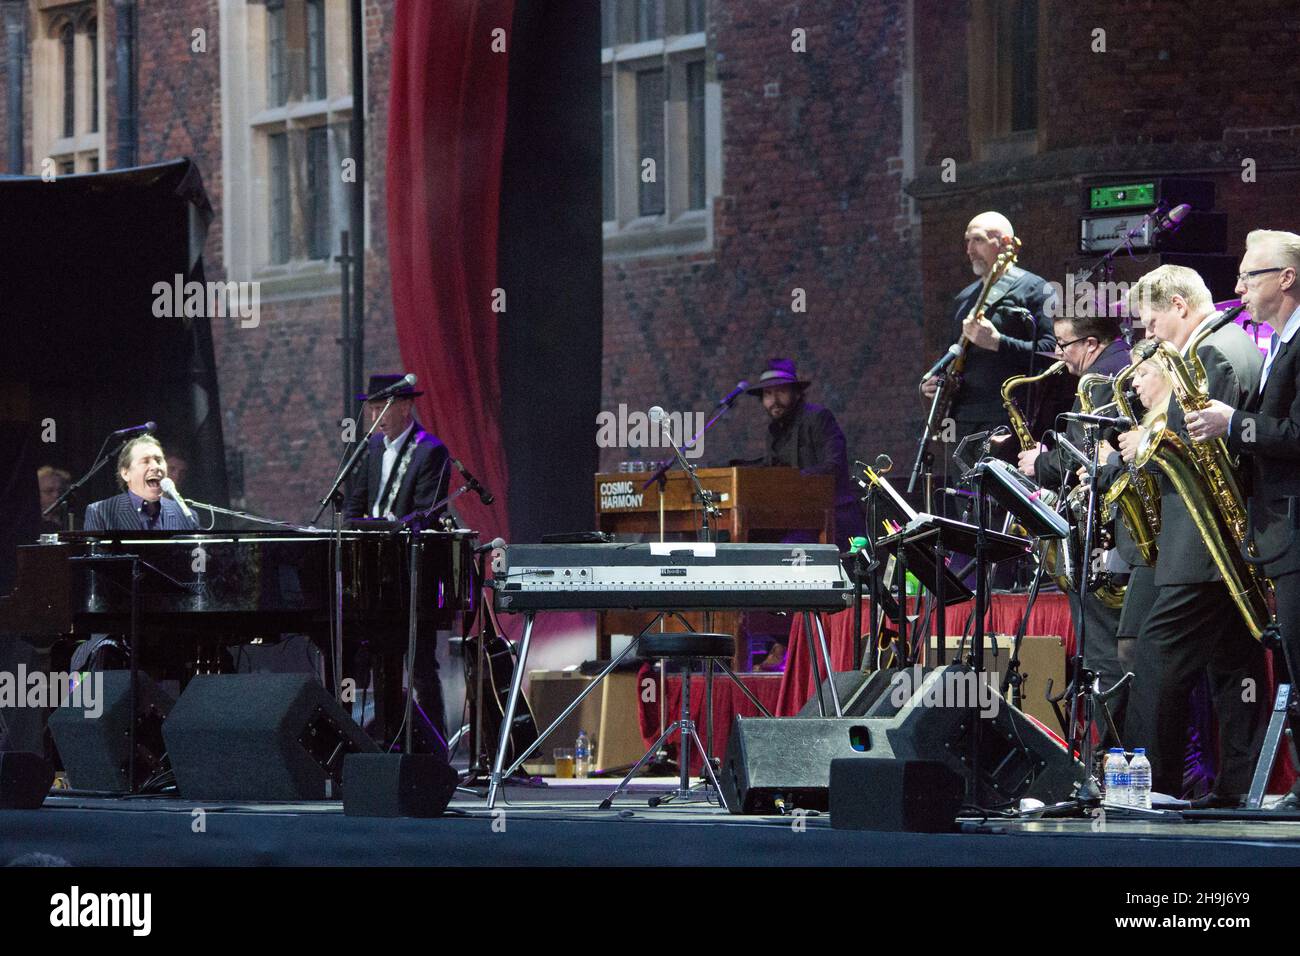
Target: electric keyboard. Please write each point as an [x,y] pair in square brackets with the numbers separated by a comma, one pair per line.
[671,576]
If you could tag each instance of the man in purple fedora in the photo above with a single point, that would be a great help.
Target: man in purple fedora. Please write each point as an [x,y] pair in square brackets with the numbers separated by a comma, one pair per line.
[806,436]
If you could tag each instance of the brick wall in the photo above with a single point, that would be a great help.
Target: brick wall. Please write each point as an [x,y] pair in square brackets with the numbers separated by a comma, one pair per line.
[811,191]
[813,198]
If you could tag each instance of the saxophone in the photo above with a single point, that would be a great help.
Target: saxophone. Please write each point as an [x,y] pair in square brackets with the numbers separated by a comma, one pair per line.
[1135,494]
[1110,594]
[1203,474]
[1053,555]
[1018,423]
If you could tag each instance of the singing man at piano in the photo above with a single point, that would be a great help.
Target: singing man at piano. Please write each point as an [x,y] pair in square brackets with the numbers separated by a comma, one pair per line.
[141,468]
[406,470]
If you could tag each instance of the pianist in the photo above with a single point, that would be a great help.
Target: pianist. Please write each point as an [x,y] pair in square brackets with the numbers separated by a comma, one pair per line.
[141,467]
[406,469]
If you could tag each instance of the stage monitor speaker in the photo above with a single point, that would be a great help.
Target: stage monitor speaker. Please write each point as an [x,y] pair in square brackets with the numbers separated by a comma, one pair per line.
[858,691]
[25,779]
[882,793]
[397,785]
[95,749]
[260,737]
[787,760]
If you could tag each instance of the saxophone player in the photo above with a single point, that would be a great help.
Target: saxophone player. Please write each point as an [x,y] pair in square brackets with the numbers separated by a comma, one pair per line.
[1087,345]
[1192,626]
[1265,428]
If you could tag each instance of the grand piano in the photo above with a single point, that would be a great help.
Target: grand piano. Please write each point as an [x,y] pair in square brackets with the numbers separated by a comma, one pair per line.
[233,588]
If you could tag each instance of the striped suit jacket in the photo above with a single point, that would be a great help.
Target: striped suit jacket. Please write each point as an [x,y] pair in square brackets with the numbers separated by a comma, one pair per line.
[117,514]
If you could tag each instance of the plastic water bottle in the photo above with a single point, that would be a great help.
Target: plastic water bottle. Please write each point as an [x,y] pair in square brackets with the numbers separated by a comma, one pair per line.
[1139,772]
[582,756]
[1116,772]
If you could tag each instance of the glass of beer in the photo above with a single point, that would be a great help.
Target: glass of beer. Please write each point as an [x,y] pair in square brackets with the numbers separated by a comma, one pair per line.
[563,763]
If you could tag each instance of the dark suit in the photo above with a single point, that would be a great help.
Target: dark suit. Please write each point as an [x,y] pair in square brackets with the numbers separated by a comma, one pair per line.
[1056,468]
[424,483]
[119,514]
[1266,431]
[106,651]
[1192,627]
[978,403]
[808,438]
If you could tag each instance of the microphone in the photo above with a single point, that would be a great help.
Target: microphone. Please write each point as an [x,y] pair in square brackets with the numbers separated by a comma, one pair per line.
[484,495]
[1119,421]
[169,489]
[949,357]
[135,429]
[735,393]
[1227,318]
[393,389]
[490,546]
[1174,218]
[884,464]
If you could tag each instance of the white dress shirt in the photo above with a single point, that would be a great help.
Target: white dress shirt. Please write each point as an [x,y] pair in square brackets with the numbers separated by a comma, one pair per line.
[391,450]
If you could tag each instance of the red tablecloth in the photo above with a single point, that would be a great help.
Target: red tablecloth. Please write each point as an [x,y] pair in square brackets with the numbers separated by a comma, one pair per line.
[728,701]
[1050,617]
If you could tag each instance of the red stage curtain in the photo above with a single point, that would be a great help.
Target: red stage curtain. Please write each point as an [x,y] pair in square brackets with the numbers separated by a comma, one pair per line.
[446,126]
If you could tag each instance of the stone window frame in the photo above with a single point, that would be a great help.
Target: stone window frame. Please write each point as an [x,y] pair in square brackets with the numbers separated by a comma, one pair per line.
[679,229]
[991,79]
[249,120]
[83,151]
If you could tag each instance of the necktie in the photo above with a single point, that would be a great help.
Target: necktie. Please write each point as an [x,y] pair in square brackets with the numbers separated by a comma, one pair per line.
[1268,362]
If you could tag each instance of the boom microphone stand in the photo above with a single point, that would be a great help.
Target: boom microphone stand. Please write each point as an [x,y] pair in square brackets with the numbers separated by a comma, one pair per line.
[335,497]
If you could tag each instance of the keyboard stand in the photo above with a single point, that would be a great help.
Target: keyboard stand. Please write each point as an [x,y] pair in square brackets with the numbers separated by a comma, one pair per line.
[499,773]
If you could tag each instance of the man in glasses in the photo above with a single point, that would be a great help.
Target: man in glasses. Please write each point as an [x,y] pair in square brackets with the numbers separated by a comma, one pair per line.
[1192,627]
[1265,429]
[1090,344]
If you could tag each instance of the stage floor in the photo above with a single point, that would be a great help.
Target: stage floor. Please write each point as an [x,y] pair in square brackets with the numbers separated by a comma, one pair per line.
[561,825]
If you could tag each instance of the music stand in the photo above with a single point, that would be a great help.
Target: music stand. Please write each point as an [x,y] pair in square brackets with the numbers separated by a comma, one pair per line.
[920,548]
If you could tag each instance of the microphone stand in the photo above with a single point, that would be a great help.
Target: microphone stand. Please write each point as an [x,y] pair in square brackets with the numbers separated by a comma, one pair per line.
[334,496]
[247,516]
[666,465]
[100,461]
[708,509]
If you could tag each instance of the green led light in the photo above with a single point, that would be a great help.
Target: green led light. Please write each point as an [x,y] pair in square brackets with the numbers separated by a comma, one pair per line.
[1124,196]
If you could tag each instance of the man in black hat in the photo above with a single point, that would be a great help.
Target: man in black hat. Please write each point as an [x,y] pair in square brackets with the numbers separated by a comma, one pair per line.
[806,436]
[406,470]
